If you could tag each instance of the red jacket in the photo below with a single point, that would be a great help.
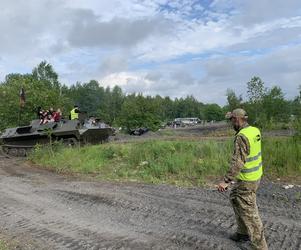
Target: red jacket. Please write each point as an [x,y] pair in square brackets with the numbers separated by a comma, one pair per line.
[56,116]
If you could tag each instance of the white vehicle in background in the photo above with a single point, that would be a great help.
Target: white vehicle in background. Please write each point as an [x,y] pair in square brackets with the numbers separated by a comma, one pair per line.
[187,121]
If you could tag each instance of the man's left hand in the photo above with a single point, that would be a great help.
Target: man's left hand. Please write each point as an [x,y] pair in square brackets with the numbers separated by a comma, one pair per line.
[223,186]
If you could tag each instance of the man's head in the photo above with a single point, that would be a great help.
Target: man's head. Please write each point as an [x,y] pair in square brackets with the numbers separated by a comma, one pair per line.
[238,117]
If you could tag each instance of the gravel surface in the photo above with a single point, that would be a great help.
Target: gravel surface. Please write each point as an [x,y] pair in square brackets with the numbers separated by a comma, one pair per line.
[43,210]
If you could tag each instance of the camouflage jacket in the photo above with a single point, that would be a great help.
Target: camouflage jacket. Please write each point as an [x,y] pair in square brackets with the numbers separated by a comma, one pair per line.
[239,156]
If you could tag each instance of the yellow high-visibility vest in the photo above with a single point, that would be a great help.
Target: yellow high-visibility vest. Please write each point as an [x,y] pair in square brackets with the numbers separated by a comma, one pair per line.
[252,170]
[73,115]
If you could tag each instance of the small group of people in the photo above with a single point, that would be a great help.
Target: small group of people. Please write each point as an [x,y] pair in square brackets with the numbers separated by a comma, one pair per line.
[49,115]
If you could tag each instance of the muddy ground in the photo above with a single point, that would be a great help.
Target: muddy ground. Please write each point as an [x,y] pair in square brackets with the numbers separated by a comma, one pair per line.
[43,210]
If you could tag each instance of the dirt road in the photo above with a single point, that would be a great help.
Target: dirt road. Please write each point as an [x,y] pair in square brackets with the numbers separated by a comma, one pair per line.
[42,210]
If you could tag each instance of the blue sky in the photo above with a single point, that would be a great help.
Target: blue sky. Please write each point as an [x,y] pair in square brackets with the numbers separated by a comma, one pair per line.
[171,48]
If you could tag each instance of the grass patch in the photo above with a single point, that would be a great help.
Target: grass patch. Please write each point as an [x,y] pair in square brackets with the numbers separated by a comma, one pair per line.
[282,157]
[3,245]
[186,163]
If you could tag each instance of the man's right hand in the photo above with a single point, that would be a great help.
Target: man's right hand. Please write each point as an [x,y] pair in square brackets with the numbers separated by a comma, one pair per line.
[223,186]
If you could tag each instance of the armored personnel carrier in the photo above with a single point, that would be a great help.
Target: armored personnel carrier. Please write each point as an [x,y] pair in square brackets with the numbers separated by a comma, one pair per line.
[18,141]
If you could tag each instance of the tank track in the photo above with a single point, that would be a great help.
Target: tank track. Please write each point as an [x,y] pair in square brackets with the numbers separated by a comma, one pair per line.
[15,150]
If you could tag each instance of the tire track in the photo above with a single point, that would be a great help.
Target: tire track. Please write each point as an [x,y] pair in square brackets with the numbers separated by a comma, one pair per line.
[64,213]
[57,234]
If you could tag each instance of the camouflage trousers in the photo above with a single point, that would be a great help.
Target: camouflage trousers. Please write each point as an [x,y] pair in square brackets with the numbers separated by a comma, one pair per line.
[243,200]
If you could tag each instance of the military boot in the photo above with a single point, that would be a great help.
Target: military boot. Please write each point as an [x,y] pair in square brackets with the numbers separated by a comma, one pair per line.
[239,237]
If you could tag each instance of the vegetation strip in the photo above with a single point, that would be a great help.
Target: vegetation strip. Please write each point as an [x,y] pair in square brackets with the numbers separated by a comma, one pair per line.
[3,245]
[184,163]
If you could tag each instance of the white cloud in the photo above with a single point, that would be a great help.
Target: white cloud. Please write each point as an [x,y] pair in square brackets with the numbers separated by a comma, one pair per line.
[163,47]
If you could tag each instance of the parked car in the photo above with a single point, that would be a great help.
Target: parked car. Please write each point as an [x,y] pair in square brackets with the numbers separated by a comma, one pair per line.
[138,131]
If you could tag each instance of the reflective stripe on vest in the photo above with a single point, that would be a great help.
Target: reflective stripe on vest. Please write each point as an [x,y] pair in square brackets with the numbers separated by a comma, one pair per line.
[253,158]
[73,115]
[252,170]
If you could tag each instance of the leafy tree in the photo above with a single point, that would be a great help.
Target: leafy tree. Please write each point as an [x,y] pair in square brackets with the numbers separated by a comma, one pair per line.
[87,96]
[40,91]
[295,106]
[104,110]
[233,100]
[116,99]
[188,107]
[213,112]
[274,105]
[44,73]
[256,90]
[138,111]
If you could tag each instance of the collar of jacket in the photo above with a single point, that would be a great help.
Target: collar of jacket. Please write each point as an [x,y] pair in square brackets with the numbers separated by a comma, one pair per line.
[243,126]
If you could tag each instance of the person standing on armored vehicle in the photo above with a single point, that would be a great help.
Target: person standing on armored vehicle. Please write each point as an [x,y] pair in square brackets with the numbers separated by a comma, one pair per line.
[74,113]
[246,171]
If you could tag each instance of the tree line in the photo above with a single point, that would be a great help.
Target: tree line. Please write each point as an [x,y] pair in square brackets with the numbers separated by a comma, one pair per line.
[266,107]
[113,106]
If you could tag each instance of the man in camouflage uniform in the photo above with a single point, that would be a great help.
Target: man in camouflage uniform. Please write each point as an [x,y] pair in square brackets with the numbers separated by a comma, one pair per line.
[246,171]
